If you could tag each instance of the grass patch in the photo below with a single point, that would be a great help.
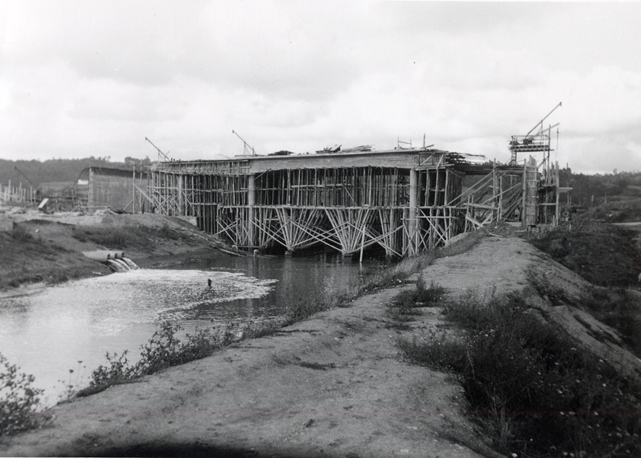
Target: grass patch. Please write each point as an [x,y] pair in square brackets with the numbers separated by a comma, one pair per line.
[621,310]
[125,236]
[21,234]
[530,390]
[164,349]
[395,275]
[437,349]
[409,301]
[109,237]
[602,254]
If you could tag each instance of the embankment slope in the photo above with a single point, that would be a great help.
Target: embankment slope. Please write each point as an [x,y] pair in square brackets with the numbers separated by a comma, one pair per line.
[39,248]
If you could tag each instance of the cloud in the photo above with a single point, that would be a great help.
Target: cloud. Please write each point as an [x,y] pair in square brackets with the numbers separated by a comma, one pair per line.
[97,78]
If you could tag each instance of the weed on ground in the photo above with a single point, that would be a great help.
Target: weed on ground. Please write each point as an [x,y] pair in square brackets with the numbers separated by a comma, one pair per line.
[125,237]
[621,310]
[164,349]
[531,390]
[602,254]
[19,401]
[618,308]
[408,302]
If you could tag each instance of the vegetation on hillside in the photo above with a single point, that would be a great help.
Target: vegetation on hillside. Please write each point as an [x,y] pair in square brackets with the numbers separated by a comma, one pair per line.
[28,258]
[602,254]
[531,390]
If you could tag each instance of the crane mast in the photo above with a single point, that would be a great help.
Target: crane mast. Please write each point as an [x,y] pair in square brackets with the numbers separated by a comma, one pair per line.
[530,143]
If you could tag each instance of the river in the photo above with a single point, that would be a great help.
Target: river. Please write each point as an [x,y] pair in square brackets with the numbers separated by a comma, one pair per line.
[62,333]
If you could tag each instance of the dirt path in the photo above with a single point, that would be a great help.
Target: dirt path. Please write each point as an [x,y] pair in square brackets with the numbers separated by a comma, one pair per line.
[331,386]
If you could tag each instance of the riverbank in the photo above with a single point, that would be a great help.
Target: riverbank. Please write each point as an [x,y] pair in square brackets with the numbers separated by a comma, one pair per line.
[39,248]
[333,385]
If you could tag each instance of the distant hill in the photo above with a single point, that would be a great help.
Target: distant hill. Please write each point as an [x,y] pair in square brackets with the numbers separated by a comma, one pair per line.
[57,169]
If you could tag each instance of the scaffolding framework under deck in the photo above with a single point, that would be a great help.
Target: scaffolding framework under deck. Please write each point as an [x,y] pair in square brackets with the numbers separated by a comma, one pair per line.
[403,201]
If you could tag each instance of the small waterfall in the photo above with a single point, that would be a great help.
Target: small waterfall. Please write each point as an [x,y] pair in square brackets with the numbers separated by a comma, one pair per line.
[114,259]
[115,266]
[123,264]
[132,265]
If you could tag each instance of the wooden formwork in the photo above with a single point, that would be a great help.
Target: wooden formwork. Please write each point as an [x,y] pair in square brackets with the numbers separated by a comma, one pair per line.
[403,201]
[347,202]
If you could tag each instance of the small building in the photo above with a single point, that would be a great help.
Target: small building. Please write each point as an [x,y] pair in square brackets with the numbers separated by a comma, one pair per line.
[116,189]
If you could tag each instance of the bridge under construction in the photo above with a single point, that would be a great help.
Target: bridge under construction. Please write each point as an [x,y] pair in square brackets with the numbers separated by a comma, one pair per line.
[402,200]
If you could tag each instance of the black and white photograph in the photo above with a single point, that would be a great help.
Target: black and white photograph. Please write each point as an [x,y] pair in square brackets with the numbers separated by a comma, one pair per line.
[320,228]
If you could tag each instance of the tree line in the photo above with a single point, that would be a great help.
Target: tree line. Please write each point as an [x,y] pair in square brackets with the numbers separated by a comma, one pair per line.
[589,190]
[68,170]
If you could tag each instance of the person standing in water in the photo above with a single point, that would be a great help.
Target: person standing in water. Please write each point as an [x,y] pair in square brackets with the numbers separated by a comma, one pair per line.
[209,283]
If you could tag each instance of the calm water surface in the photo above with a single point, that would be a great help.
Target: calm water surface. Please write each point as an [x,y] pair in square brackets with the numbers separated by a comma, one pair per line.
[71,326]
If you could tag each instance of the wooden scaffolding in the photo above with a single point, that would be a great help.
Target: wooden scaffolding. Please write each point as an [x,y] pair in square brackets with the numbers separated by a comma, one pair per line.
[403,201]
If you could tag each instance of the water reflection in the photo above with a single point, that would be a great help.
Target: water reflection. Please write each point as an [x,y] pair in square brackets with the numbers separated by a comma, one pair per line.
[46,334]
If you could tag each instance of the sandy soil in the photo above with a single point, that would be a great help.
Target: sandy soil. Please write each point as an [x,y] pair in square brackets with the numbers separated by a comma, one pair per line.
[332,386]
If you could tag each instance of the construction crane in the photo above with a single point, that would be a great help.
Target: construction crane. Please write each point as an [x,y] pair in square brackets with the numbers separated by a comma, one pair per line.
[25,176]
[546,116]
[246,146]
[530,143]
[160,153]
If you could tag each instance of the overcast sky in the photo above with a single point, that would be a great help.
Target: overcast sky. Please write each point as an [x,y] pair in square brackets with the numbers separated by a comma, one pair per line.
[94,78]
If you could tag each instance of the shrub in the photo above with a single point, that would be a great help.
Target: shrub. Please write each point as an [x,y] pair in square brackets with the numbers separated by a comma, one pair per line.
[117,371]
[621,310]
[164,349]
[19,401]
[428,296]
[407,302]
[304,309]
[529,388]
[438,350]
[20,234]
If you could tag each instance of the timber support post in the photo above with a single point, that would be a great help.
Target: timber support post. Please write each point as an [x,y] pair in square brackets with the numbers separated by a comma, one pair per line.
[251,202]
[396,202]
[413,210]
